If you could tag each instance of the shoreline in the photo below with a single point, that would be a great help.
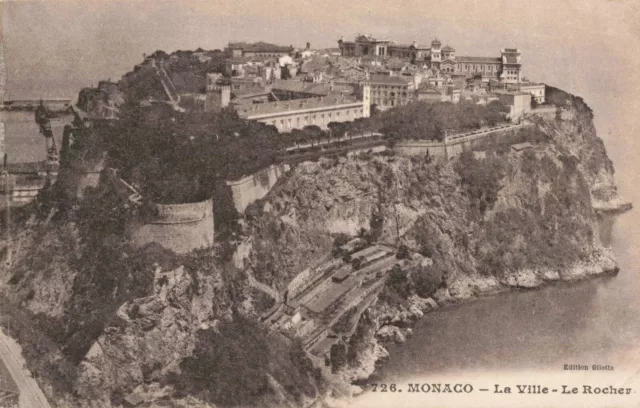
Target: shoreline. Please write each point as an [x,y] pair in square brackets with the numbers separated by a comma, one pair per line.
[614,205]
[394,323]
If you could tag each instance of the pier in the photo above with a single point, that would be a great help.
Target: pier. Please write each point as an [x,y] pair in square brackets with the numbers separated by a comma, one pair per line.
[52,104]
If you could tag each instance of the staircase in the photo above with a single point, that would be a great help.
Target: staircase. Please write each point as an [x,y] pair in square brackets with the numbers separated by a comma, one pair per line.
[169,88]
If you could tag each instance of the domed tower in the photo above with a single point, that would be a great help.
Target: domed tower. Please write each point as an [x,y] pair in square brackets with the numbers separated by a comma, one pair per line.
[449,52]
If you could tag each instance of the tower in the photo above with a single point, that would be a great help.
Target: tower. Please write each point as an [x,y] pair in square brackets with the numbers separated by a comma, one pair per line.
[218,97]
[511,65]
[436,53]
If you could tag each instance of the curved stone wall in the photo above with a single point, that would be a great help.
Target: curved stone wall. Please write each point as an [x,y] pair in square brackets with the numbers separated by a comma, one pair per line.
[177,227]
[254,187]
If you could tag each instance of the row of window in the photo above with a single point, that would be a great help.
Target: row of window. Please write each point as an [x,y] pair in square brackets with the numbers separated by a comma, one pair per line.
[265,54]
[473,67]
[397,87]
[316,119]
[387,102]
[391,94]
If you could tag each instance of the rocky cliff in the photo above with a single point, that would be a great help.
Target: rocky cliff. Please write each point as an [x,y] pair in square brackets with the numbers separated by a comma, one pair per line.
[104,325]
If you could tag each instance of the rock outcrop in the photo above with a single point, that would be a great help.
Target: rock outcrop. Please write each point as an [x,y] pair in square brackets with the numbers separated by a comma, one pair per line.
[129,324]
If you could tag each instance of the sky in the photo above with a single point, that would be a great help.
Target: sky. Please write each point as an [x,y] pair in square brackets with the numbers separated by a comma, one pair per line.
[588,47]
[53,48]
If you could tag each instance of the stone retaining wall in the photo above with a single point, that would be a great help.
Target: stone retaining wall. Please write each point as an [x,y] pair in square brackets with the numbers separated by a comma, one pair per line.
[254,187]
[452,147]
[177,227]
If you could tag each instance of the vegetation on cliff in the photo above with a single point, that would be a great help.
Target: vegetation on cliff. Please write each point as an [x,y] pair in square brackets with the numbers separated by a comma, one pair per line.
[101,318]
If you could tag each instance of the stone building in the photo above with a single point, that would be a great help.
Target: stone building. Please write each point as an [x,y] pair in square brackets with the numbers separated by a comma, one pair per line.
[519,103]
[537,91]
[258,49]
[390,91]
[506,67]
[430,93]
[319,111]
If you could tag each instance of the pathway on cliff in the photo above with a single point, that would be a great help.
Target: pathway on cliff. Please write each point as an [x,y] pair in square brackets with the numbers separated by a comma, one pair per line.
[31,395]
[254,283]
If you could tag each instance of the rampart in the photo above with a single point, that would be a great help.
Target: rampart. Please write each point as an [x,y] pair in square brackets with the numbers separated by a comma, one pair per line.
[78,175]
[177,227]
[453,145]
[254,187]
[544,110]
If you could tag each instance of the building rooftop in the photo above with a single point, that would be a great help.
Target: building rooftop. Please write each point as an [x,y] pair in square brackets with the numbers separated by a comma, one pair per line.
[448,48]
[370,38]
[390,80]
[479,60]
[247,60]
[530,84]
[294,85]
[426,88]
[259,47]
[508,92]
[271,108]
[250,92]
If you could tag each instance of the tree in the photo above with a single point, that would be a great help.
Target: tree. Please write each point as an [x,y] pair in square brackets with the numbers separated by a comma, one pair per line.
[313,131]
[337,129]
[285,73]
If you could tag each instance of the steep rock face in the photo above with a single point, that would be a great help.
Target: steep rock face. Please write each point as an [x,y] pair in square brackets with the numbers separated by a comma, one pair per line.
[510,220]
[535,222]
[384,195]
[42,275]
[153,336]
[574,131]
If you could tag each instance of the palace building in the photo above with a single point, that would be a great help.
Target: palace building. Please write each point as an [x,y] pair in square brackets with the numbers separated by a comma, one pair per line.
[319,111]
[505,68]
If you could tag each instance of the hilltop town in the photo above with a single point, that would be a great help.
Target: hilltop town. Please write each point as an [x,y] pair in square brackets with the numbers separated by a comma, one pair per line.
[291,88]
[250,226]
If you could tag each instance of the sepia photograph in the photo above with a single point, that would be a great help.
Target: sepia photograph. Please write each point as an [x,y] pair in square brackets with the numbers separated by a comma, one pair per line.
[335,204]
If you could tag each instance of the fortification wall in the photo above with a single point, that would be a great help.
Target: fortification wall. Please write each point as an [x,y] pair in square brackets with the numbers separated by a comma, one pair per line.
[546,111]
[454,145]
[78,175]
[177,227]
[254,187]
[420,148]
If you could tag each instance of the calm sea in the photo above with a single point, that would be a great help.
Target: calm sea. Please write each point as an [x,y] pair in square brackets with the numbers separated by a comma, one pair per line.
[527,337]
[23,141]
